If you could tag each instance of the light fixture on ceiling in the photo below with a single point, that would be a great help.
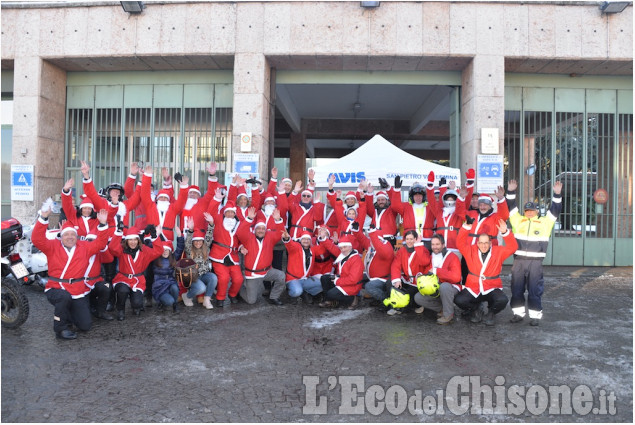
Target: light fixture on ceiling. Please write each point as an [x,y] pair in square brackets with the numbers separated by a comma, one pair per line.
[369,4]
[133,7]
[614,7]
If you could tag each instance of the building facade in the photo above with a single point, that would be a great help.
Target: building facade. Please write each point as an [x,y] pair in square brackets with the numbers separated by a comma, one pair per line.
[182,84]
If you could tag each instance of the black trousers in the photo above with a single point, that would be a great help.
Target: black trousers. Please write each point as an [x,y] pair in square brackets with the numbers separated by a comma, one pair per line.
[69,310]
[331,293]
[109,271]
[99,296]
[123,292]
[496,300]
[149,275]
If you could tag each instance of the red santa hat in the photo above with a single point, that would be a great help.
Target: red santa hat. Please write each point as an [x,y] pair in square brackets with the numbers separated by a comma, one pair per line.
[163,192]
[242,194]
[307,192]
[229,206]
[194,188]
[260,223]
[346,240]
[350,194]
[287,180]
[270,198]
[306,235]
[328,231]
[486,199]
[168,245]
[131,233]
[381,194]
[84,202]
[68,227]
[198,235]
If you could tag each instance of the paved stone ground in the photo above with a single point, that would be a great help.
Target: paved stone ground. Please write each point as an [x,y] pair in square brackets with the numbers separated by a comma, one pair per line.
[246,363]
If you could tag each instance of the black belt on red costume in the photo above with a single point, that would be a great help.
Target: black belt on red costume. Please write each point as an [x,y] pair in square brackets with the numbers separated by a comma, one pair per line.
[485,277]
[225,246]
[266,269]
[301,227]
[447,228]
[75,280]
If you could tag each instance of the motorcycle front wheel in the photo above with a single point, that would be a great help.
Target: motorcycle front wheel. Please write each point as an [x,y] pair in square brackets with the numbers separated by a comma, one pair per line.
[15,304]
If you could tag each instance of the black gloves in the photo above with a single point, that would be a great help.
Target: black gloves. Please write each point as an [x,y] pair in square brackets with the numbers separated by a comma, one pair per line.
[178,177]
[151,230]
[398,182]
[383,183]
[469,220]
[371,226]
[120,224]
[355,226]
[251,181]
[442,181]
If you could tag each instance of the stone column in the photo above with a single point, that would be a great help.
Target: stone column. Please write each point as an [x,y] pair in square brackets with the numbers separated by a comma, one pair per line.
[251,108]
[39,111]
[297,158]
[482,105]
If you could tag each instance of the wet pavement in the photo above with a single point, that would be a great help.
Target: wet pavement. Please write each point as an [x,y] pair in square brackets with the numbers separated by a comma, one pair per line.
[246,363]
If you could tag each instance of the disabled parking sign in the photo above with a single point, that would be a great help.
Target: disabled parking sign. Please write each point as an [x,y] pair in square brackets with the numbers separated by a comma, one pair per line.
[489,173]
[21,182]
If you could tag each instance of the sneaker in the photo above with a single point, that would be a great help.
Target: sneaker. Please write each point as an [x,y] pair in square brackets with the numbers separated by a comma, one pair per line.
[517,318]
[307,298]
[233,300]
[419,310]
[445,320]
[207,303]
[440,314]
[220,303]
[534,322]
[489,319]
[354,304]
[187,301]
[393,311]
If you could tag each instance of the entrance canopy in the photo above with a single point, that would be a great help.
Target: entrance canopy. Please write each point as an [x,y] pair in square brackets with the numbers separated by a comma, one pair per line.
[379,158]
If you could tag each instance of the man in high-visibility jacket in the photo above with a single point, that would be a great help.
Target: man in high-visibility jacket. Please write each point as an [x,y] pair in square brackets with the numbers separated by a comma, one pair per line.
[532,233]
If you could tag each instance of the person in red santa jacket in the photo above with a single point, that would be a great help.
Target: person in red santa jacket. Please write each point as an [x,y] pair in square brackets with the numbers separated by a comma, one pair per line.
[346,218]
[84,217]
[344,285]
[411,259]
[196,205]
[134,258]
[377,263]
[163,213]
[380,211]
[237,193]
[68,260]
[259,245]
[484,261]
[224,251]
[304,215]
[447,267]
[416,213]
[300,276]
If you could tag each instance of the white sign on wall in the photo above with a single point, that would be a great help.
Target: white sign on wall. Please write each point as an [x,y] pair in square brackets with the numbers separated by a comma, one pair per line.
[489,141]
[489,173]
[245,142]
[21,182]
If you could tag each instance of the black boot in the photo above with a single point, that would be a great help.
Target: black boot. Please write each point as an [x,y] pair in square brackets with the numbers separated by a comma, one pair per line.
[103,315]
[121,315]
[66,334]
[175,308]
[136,311]
[234,300]
[220,303]
[307,298]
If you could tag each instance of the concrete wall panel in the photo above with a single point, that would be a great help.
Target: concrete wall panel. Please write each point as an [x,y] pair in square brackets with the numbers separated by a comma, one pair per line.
[173,29]
[436,28]
[54,83]
[51,120]
[463,28]
[593,34]
[26,77]
[409,29]
[490,26]
[99,30]
[249,27]
[621,34]
[568,32]
[198,37]
[277,28]
[249,73]
[123,28]
[516,30]
[542,33]
[51,33]
[75,28]
[355,27]
[317,28]
[27,36]
[8,20]
[25,115]
[148,28]
[222,28]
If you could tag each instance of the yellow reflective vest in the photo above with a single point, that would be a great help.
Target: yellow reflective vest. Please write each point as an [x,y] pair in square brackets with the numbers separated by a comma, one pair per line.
[533,234]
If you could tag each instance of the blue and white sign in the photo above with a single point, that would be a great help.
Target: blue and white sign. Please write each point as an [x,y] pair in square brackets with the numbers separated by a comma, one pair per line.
[246,163]
[489,173]
[21,182]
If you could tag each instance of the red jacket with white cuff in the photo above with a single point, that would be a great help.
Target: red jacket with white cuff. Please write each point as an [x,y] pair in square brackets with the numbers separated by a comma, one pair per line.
[449,268]
[379,255]
[301,262]
[349,270]
[84,225]
[131,267]
[196,211]
[259,251]
[225,242]
[70,265]
[167,219]
[122,208]
[407,265]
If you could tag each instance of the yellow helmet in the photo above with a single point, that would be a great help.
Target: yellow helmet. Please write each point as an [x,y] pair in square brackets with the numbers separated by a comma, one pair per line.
[428,284]
[398,298]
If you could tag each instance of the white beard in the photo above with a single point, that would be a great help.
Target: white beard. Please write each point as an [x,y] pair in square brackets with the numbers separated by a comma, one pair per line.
[190,203]
[268,209]
[229,223]
[163,206]
[448,210]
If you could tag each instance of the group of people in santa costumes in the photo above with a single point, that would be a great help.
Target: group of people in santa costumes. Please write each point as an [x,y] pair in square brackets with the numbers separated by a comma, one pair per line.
[330,257]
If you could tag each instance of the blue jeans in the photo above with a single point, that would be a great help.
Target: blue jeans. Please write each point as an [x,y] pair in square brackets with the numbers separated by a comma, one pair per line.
[210,281]
[168,298]
[378,289]
[311,285]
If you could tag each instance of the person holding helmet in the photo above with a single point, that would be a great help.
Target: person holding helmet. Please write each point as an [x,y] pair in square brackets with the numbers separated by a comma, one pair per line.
[68,260]
[413,258]
[344,285]
[224,251]
[446,267]
[532,233]
[485,262]
[379,209]
[417,214]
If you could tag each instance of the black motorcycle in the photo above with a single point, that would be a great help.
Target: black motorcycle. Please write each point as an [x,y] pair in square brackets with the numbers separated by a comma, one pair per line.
[15,304]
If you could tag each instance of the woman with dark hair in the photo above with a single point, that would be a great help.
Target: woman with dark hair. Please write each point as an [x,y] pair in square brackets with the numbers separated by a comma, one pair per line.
[165,288]
[411,259]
